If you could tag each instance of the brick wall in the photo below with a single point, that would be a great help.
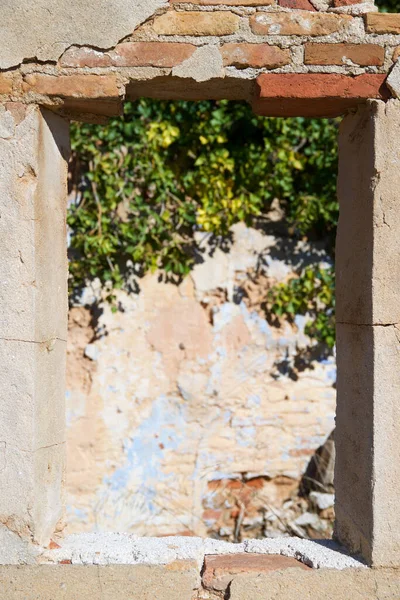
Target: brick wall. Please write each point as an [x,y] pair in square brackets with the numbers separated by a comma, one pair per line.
[291,56]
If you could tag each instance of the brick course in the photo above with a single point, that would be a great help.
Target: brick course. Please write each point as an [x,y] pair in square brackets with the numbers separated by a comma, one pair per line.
[130,54]
[73,86]
[254,55]
[297,4]
[216,23]
[226,2]
[338,54]
[382,23]
[212,49]
[315,94]
[338,3]
[298,23]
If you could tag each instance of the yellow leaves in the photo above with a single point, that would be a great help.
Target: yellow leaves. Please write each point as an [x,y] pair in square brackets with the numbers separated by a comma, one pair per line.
[162,134]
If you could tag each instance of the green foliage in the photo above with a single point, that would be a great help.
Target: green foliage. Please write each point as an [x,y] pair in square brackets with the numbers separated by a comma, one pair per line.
[312,294]
[388,5]
[146,183]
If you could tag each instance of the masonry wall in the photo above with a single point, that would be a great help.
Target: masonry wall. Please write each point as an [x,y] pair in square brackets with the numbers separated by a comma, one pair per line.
[188,405]
[311,57]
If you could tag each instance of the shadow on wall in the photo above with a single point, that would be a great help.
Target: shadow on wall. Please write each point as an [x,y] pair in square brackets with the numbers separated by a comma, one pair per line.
[180,419]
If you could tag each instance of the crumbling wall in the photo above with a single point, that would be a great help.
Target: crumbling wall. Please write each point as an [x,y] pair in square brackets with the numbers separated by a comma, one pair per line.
[185,407]
[286,57]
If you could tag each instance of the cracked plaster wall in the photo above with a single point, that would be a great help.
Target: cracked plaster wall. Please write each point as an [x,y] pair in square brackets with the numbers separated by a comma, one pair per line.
[189,386]
[43,29]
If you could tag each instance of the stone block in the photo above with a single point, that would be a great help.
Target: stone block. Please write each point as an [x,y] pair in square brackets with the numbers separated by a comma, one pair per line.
[111,582]
[358,584]
[368,443]
[368,339]
[368,253]
[34,149]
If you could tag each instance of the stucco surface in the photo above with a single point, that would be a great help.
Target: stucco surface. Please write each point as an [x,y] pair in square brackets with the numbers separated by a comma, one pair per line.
[186,388]
[368,293]
[42,30]
[33,319]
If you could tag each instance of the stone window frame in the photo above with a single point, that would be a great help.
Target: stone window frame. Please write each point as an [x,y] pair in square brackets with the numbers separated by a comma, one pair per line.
[36,104]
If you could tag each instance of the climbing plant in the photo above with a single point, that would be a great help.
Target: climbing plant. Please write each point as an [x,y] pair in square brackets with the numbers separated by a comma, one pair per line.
[147,183]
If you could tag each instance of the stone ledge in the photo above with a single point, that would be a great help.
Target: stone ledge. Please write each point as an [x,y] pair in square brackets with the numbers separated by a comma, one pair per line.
[293,584]
[124,548]
[181,581]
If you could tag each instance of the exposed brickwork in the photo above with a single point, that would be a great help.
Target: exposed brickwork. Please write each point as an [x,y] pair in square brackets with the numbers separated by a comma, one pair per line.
[297,4]
[340,54]
[299,23]
[130,54]
[73,86]
[226,2]
[6,84]
[254,55]
[382,23]
[212,49]
[315,94]
[338,3]
[220,570]
[320,85]
[216,23]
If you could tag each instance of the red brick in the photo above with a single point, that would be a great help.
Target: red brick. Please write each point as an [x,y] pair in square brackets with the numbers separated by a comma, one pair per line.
[254,55]
[297,4]
[382,22]
[338,3]
[85,57]
[215,23]
[301,22]
[226,2]
[130,54]
[6,84]
[72,86]
[220,570]
[336,54]
[315,94]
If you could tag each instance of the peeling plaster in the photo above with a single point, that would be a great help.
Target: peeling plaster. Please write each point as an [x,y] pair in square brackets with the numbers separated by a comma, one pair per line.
[45,29]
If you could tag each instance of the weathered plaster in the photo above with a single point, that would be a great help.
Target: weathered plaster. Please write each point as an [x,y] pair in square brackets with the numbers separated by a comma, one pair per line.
[368,298]
[42,30]
[181,392]
[34,147]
